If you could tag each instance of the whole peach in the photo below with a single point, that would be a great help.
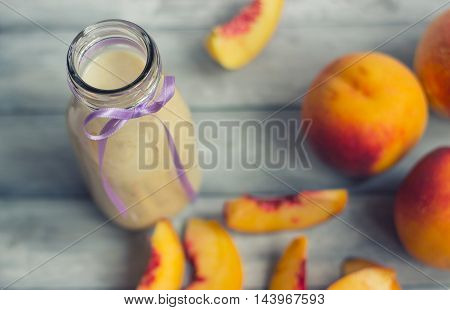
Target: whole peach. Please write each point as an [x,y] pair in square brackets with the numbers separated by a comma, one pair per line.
[422,210]
[432,63]
[367,111]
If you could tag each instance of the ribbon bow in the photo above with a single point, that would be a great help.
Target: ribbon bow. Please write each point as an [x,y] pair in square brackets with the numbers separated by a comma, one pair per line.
[118,118]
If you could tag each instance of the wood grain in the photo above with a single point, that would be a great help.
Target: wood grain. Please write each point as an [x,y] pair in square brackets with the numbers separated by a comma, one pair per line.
[195,14]
[111,258]
[37,159]
[277,77]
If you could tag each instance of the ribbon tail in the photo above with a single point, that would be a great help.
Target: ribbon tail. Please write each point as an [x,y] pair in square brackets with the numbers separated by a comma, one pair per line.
[181,172]
[113,197]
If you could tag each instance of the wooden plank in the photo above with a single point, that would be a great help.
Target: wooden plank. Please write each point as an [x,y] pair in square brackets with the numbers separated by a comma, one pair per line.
[279,75]
[43,201]
[195,14]
[33,230]
[37,159]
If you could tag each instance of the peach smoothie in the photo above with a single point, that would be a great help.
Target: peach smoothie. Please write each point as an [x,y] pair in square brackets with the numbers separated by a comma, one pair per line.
[113,69]
[137,162]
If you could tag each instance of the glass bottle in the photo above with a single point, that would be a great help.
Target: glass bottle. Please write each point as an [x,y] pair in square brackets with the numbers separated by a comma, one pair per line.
[116,64]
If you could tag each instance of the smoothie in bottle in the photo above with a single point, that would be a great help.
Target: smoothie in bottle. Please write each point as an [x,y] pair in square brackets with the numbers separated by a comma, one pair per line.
[115,64]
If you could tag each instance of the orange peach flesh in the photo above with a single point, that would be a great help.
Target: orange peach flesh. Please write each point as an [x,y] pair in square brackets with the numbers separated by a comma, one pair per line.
[256,215]
[355,264]
[372,278]
[214,256]
[422,210]
[165,270]
[432,63]
[367,111]
[290,272]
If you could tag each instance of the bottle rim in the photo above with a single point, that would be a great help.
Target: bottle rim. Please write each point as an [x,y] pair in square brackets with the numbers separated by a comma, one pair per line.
[107,32]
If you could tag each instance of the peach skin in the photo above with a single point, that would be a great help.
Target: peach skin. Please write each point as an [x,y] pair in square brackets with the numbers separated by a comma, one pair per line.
[371,278]
[290,272]
[256,215]
[165,270]
[355,264]
[367,111]
[214,256]
[239,41]
[422,210]
[432,63]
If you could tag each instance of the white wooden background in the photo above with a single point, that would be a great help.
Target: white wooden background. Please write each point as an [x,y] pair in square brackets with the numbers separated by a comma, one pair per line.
[44,205]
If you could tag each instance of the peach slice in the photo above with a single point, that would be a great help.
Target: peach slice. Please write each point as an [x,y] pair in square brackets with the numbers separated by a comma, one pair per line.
[215,257]
[240,40]
[256,215]
[355,264]
[290,272]
[165,270]
[371,278]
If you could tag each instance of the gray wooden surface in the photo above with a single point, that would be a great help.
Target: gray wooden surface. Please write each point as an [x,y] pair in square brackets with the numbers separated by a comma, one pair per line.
[44,205]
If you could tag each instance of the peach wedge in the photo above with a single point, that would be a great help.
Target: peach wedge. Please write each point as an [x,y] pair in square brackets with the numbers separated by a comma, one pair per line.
[214,256]
[257,215]
[371,278]
[165,270]
[237,42]
[290,272]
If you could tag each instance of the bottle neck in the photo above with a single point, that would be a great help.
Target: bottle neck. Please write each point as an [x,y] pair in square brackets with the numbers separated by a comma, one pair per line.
[99,38]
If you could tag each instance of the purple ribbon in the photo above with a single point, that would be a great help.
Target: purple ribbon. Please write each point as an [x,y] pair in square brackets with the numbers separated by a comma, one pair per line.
[118,118]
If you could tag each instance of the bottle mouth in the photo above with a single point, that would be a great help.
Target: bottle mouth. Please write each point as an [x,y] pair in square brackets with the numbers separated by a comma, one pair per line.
[106,34]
